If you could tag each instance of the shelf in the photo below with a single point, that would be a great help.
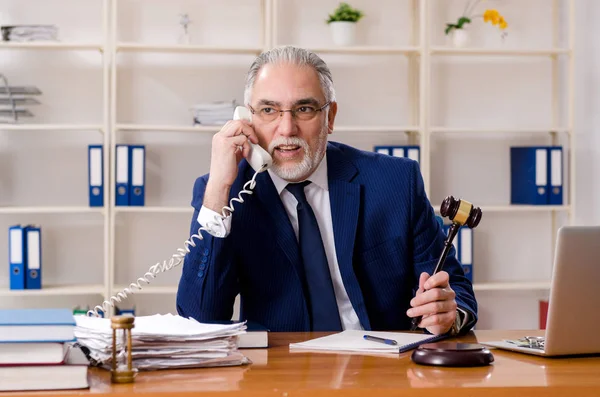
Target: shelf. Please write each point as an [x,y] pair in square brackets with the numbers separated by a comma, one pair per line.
[367,50]
[507,130]
[51,127]
[168,128]
[216,128]
[524,208]
[51,45]
[159,210]
[376,128]
[55,290]
[148,290]
[521,208]
[499,51]
[513,286]
[187,48]
[51,210]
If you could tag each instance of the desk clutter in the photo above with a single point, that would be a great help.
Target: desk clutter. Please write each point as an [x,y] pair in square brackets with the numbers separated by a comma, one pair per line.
[51,349]
[37,351]
[164,341]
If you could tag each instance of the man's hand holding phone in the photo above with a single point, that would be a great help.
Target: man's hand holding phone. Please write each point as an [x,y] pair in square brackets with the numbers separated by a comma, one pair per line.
[229,146]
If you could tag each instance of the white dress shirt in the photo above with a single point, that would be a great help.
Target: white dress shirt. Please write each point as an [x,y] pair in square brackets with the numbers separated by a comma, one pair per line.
[317,194]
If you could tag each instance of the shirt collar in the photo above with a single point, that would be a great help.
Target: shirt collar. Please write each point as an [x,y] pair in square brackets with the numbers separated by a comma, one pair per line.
[319,177]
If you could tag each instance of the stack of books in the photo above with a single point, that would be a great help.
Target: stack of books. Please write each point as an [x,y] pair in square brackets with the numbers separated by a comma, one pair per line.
[165,341]
[37,351]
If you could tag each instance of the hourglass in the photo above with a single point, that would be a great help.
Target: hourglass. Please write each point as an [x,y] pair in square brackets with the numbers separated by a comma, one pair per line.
[122,366]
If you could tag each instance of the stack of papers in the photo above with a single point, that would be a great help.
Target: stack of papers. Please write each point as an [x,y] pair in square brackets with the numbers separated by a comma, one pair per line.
[213,113]
[165,341]
[23,33]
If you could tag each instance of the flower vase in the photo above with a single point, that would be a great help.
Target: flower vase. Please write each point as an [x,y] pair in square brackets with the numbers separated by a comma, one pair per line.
[460,38]
[184,38]
[343,33]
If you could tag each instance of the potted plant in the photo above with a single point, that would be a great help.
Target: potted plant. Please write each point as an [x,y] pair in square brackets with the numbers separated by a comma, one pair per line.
[343,24]
[458,31]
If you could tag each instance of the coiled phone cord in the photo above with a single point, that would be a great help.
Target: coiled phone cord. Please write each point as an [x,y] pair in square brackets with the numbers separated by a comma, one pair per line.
[178,257]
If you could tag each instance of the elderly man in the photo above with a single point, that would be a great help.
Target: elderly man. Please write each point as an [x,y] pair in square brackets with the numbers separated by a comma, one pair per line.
[332,238]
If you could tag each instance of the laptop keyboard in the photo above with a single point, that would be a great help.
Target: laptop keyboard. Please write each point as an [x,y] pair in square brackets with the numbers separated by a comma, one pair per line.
[532,342]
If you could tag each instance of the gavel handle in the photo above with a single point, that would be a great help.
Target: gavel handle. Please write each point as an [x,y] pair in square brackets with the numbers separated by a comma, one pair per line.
[447,245]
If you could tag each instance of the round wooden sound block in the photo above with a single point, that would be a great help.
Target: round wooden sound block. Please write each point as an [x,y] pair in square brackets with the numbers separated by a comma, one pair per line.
[451,354]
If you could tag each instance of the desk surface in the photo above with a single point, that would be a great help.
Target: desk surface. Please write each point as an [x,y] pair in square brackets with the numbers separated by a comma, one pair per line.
[278,372]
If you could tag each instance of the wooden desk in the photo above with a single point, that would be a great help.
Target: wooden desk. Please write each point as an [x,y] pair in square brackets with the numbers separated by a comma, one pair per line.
[278,372]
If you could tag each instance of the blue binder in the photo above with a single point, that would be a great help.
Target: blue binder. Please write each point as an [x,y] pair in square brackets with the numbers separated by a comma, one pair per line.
[137,168]
[463,246]
[16,257]
[411,151]
[555,190]
[96,175]
[465,237]
[33,264]
[122,175]
[529,175]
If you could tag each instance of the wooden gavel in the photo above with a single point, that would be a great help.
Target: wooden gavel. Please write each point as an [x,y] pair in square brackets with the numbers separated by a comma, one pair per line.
[461,213]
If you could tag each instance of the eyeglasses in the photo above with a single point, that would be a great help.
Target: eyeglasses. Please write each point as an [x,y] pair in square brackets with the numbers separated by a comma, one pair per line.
[300,112]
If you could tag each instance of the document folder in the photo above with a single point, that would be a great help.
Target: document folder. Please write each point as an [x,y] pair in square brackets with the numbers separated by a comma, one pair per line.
[122,175]
[555,190]
[536,175]
[16,257]
[96,175]
[466,251]
[137,155]
[33,243]
[529,175]
[411,151]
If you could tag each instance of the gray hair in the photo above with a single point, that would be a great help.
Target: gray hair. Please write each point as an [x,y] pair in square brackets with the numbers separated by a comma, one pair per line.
[295,56]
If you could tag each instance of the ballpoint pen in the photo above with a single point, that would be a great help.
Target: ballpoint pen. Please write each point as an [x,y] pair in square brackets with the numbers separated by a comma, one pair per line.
[380,340]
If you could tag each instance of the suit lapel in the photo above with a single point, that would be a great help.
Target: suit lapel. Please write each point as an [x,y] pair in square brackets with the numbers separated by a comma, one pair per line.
[344,199]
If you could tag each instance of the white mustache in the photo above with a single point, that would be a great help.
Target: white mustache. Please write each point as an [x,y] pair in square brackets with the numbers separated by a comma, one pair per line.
[291,141]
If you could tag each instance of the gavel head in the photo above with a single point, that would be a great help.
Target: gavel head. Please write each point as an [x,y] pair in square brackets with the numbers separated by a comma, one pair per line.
[461,212]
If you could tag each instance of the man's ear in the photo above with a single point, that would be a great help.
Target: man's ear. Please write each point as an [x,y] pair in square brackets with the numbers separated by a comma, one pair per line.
[331,116]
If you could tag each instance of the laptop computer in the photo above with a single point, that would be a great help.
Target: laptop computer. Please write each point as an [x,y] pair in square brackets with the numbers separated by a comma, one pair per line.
[573,322]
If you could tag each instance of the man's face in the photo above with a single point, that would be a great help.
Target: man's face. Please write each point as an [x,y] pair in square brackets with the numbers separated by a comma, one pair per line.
[296,145]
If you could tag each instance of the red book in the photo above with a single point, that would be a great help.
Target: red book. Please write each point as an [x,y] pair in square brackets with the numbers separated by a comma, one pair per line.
[543,313]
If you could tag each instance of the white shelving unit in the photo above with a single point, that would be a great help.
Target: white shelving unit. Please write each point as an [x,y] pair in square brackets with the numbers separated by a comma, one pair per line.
[75,290]
[420,129]
[555,54]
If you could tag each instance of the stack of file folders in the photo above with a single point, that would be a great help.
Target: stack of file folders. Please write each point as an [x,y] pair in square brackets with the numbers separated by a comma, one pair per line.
[25,256]
[164,341]
[213,113]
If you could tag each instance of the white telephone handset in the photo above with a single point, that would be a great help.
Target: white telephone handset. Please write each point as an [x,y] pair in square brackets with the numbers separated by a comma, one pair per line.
[260,160]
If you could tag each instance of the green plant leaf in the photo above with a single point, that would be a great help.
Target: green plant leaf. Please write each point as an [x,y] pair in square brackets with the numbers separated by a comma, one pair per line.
[344,12]
[462,21]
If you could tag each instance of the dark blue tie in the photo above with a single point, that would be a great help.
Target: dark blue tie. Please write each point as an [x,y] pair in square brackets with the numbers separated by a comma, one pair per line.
[321,298]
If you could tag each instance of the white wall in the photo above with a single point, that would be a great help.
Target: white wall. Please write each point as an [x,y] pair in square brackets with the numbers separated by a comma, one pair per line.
[159,88]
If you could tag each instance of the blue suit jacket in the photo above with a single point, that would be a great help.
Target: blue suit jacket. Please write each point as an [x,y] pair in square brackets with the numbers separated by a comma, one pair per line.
[385,234]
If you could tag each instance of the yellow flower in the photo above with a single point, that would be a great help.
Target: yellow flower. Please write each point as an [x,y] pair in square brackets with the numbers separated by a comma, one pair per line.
[492,16]
[502,23]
